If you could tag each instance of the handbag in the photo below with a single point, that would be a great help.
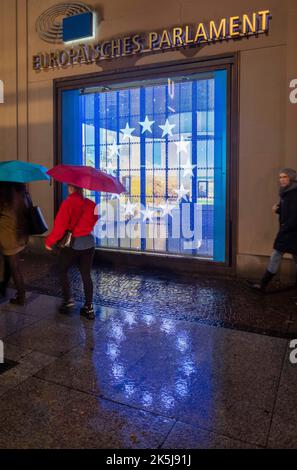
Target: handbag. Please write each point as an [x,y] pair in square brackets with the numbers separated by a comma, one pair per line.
[36,221]
[66,240]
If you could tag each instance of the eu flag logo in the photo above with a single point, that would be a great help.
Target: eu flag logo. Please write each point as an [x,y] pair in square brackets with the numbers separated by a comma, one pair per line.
[78,27]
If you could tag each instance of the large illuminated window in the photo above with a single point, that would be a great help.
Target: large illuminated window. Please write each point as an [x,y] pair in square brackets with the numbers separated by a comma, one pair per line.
[165,139]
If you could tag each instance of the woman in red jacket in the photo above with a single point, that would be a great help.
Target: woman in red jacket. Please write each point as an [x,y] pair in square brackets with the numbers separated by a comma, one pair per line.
[76,214]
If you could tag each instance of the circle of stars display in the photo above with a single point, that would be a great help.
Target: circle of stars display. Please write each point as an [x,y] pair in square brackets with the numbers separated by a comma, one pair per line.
[182,147]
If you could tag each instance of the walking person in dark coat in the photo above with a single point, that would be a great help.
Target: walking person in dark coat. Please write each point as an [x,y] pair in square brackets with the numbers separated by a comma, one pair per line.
[286,239]
[13,235]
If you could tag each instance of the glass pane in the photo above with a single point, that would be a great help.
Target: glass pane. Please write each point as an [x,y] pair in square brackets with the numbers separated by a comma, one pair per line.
[165,139]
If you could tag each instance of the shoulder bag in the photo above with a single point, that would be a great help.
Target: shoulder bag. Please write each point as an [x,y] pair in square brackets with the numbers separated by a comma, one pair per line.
[36,222]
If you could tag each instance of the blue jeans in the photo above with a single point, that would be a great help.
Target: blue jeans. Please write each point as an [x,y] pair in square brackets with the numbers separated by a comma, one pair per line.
[275,260]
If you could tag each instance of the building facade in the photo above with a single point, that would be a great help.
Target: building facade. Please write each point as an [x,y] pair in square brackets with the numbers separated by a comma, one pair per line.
[191,104]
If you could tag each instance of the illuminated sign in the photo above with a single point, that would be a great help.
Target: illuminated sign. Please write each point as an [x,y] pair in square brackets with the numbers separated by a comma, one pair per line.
[78,27]
[66,22]
[225,29]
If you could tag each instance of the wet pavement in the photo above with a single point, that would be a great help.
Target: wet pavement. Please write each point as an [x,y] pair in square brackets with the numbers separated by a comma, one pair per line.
[166,364]
[207,300]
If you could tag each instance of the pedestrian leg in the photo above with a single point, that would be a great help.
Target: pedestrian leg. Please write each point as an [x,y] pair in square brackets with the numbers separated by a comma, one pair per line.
[6,276]
[66,259]
[13,268]
[270,272]
[274,262]
[85,265]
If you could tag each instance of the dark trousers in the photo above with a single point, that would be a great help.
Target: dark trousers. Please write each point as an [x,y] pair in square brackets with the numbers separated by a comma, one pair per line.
[84,258]
[12,269]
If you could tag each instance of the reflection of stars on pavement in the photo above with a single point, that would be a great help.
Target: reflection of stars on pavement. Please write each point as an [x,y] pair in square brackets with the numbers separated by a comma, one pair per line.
[147,215]
[127,132]
[167,208]
[146,125]
[114,149]
[182,145]
[188,168]
[129,208]
[181,192]
[167,128]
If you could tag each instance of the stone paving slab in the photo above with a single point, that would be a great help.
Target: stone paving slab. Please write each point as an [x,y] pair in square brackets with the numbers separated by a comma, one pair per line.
[222,380]
[214,301]
[150,379]
[12,322]
[58,417]
[26,368]
[225,381]
[15,353]
[3,390]
[185,436]
[37,307]
[103,359]
[29,363]
[49,337]
[283,432]
[41,307]
[74,318]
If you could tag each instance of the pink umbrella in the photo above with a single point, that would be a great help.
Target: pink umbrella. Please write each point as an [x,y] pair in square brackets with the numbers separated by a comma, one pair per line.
[86,177]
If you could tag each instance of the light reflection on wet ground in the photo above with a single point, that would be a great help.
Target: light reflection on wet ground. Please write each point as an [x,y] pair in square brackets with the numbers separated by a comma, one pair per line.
[212,301]
[157,371]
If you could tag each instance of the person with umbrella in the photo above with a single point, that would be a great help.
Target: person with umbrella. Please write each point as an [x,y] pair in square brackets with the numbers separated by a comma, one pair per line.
[14,220]
[77,217]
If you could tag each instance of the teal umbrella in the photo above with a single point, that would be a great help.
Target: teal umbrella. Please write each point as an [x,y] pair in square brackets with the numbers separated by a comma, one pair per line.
[22,172]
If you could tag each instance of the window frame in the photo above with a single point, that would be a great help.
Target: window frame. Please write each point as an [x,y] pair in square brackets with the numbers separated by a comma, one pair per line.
[229,62]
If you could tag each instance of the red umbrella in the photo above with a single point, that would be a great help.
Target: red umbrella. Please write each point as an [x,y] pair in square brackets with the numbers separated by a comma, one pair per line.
[86,177]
